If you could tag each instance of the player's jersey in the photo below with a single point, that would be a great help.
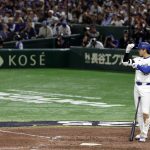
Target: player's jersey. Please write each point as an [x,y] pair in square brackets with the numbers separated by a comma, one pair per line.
[139,75]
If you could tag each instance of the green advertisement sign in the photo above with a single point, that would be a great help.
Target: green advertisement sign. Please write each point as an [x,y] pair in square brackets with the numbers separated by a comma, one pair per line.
[33,58]
[106,59]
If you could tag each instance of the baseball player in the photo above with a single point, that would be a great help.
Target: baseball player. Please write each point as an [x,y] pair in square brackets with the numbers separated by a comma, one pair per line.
[142,85]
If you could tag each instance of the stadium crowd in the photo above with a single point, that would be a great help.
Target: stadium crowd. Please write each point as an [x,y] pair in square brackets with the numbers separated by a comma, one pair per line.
[48,18]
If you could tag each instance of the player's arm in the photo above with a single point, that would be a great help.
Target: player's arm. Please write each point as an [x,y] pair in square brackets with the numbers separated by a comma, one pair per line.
[126,59]
[144,69]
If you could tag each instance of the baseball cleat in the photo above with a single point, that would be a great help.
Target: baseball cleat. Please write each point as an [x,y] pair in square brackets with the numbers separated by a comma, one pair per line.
[137,137]
[142,139]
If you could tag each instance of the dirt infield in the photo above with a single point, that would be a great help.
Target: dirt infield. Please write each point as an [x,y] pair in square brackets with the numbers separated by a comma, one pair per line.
[68,138]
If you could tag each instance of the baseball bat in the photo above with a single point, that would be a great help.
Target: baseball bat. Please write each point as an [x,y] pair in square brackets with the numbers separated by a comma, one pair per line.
[134,122]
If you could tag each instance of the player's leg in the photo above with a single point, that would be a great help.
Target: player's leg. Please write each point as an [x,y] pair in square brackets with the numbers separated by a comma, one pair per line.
[139,114]
[145,103]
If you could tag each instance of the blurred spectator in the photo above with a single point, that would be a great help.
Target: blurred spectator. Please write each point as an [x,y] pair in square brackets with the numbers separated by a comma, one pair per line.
[70,15]
[32,16]
[124,41]
[4,33]
[1,42]
[29,31]
[19,22]
[78,11]
[110,42]
[95,44]
[64,29]
[45,31]
[19,43]
[87,16]
[86,38]
[11,24]
[60,42]
[108,2]
[101,12]
[63,17]
[50,17]
[93,33]
[106,20]
[55,26]
[6,16]
[140,34]
[117,21]
[96,8]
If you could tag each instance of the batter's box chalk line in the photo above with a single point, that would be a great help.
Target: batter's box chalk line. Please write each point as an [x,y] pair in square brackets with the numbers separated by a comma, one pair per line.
[32,135]
[90,144]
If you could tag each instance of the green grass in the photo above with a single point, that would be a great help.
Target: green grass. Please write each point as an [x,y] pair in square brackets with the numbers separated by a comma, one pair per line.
[113,88]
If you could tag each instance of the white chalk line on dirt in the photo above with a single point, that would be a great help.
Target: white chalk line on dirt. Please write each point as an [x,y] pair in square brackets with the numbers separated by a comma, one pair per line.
[11,148]
[90,144]
[31,135]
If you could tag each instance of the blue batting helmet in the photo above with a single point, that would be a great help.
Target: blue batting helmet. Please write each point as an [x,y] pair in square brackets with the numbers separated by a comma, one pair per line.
[144,45]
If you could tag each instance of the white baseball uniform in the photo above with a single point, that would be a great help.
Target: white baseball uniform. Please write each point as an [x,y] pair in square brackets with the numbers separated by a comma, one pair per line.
[141,89]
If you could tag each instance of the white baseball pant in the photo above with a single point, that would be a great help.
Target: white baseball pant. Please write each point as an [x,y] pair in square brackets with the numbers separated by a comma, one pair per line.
[143,91]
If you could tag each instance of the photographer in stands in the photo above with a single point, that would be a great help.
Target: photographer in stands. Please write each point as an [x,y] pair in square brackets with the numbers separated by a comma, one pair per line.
[95,44]
[89,34]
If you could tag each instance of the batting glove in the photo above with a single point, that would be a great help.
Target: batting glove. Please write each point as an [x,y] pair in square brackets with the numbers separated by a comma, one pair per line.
[129,47]
[134,65]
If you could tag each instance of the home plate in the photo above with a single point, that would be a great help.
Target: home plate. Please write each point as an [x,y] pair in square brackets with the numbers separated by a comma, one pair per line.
[90,144]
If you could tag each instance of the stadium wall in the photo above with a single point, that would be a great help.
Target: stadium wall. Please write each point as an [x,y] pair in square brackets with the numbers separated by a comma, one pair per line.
[74,40]
[104,31]
[75,57]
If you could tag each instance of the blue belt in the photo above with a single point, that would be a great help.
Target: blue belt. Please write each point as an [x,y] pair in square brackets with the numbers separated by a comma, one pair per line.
[140,83]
